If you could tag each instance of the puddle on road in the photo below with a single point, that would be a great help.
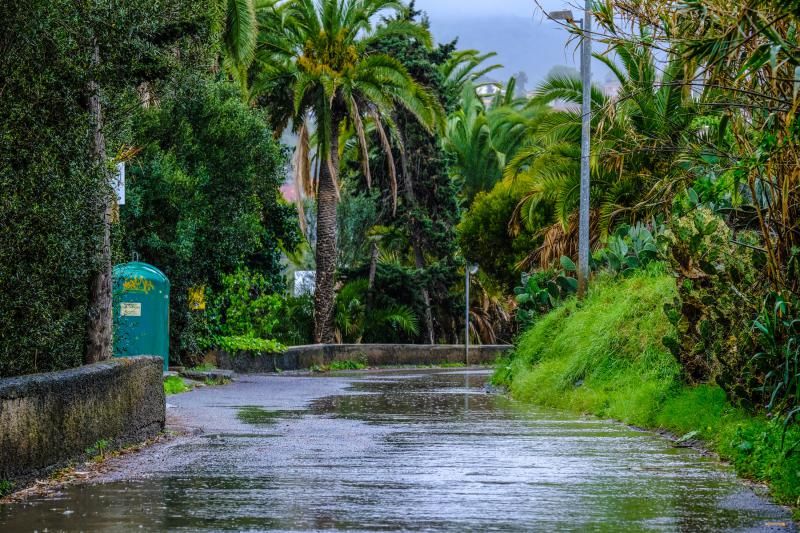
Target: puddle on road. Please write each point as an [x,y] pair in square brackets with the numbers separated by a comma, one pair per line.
[258,416]
[414,451]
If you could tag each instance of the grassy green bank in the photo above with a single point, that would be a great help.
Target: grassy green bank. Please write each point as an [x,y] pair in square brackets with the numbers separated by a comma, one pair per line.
[604,356]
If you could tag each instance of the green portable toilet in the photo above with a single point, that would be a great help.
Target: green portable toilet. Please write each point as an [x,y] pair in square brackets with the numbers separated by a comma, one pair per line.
[141,311]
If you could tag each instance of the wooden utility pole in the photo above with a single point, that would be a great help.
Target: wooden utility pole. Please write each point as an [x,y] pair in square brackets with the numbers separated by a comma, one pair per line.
[99,334]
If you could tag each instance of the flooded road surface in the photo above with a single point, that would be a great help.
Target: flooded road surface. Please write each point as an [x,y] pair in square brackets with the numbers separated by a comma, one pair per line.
[412,450]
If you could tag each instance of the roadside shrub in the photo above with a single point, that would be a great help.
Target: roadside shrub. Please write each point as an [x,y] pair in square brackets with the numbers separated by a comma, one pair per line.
[175,385]
[243,314]
[245,306]
[203,202]
[296,326]
[52,190]
[720,292]
[354,320]
[49,224]
[486,238]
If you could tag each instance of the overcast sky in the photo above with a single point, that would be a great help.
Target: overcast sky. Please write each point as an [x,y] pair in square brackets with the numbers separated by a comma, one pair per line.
[515,29]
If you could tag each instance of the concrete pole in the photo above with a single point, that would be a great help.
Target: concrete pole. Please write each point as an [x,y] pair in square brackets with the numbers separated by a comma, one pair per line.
[466,318]
[583,223]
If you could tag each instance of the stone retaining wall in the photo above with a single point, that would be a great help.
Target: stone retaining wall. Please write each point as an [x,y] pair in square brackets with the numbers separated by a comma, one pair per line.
[48,419]
[304,357]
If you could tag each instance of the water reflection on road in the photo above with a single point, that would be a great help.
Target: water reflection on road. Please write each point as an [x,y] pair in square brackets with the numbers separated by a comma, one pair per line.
[415,450]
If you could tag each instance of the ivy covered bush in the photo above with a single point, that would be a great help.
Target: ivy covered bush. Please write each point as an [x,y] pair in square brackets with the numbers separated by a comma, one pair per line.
[720,292]
[48,226]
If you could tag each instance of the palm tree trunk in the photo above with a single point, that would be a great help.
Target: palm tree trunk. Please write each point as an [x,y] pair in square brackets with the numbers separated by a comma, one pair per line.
[373,265]
[419,257]
[99,334]
[327,202]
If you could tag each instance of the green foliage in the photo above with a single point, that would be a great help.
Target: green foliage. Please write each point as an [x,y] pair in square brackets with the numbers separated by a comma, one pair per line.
[777,363]
[417,243]
[51,189]
[483,137]
[356,215]
[354,320]
[603,355]
[296,325]
[236,344]
[175,385]
[6,487]
[239,39]
[98,449]
[245,306]
[486,238]
[544,290]
[348,364]
[720,292]
[630,248]
[58,191]
[634,135]
[203,203]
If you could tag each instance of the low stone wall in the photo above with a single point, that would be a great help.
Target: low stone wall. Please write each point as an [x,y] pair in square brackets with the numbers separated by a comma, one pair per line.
[48,419]
[304,357]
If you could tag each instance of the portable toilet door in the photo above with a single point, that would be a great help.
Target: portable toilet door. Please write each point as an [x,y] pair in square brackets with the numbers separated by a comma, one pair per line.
[141,311]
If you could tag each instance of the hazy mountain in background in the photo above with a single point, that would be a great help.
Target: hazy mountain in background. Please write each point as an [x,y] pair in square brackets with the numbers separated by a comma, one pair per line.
[521,45]
[523,39]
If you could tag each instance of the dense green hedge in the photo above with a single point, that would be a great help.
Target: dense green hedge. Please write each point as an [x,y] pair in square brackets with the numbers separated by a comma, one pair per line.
[47,226]
[49,184]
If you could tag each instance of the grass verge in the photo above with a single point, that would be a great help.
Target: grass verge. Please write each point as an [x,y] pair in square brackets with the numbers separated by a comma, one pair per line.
[604,356]
[175,385]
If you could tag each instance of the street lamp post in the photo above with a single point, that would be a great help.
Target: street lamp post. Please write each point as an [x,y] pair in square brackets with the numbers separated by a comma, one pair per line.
[586,120]
[470,270]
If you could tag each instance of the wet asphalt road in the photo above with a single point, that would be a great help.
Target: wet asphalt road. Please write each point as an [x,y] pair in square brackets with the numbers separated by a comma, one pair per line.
[398,450]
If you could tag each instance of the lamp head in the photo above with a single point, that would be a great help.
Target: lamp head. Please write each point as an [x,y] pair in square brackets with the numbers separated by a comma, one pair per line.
[565,15]
[473,269]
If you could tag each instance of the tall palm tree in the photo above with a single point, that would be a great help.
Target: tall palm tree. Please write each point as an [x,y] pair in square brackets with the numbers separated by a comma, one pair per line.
[315,70]
[482,136]
[467,67]
[476,164]
[239,39]
[636,139]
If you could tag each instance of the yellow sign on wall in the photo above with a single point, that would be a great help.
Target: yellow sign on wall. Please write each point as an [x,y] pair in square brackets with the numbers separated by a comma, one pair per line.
[197,298]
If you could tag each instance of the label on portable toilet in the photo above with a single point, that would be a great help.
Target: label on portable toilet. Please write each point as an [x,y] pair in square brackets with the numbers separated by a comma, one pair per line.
[130,309]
